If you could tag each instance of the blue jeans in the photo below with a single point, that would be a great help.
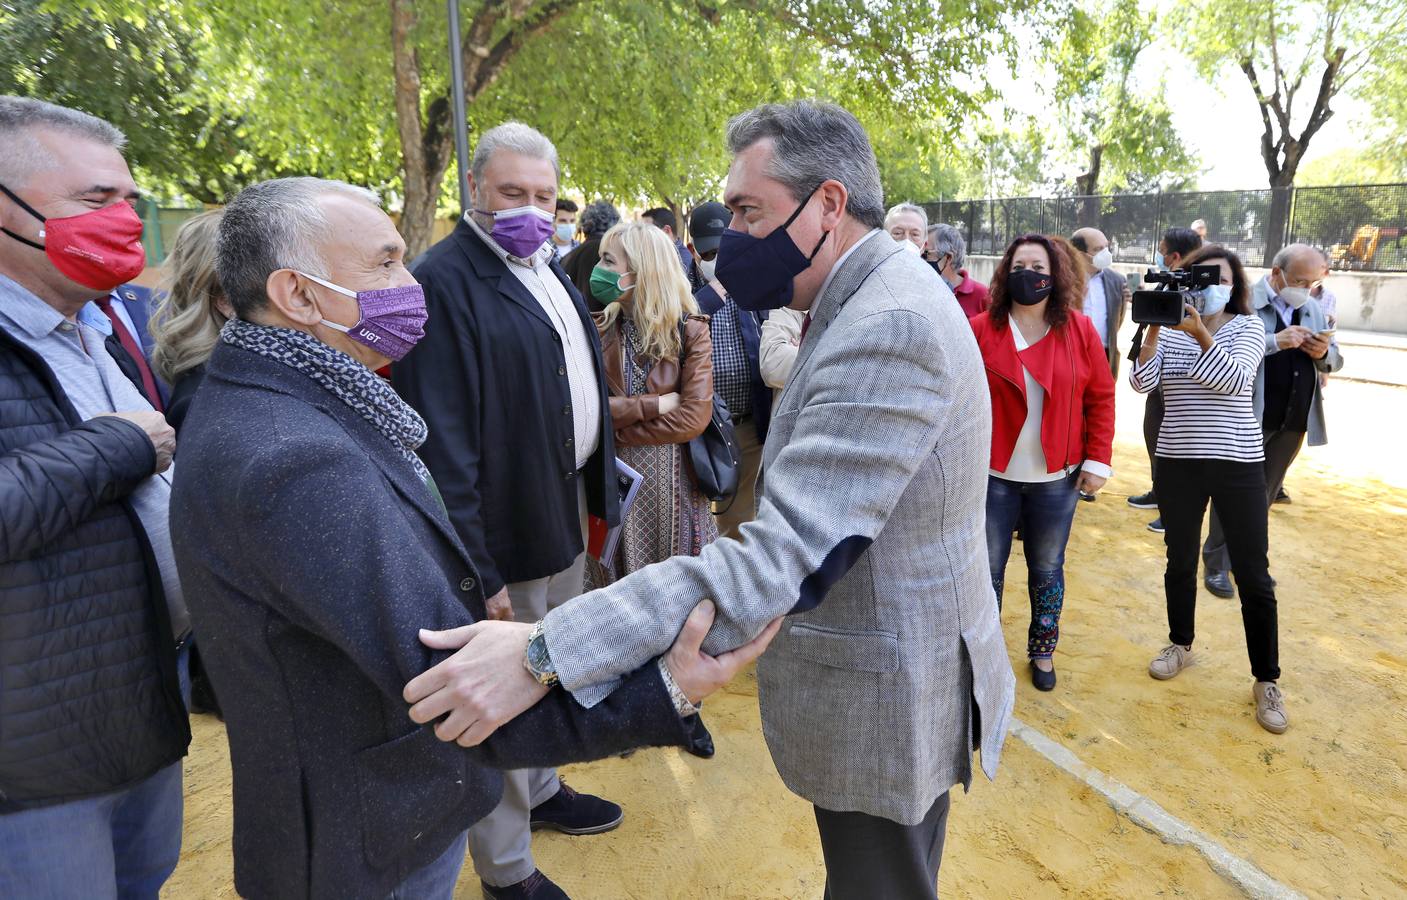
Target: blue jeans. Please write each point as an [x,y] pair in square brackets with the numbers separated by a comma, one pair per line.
[119,845]
[1045,512]
[436,880]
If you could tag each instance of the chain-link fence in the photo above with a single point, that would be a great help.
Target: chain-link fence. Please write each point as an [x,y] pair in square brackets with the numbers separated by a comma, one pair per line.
[1359,227]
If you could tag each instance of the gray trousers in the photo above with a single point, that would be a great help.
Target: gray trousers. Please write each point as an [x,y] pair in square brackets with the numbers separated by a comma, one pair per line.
[872,858]
[500,844]
[1281,448]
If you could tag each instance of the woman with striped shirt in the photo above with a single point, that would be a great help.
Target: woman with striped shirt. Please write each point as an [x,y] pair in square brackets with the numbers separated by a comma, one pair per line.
[1209,448]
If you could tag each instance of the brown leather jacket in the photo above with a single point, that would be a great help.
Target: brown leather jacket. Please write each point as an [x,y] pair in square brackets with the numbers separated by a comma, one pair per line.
[637,420]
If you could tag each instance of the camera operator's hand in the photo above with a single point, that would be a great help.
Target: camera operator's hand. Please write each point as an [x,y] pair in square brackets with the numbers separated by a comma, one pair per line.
[1192,324]
[1292,337]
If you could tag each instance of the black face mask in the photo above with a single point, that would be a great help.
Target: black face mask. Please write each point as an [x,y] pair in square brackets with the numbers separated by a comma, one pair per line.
[758,272]
[1028,287]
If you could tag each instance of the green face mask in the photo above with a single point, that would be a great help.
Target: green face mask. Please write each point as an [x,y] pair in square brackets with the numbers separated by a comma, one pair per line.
[605,285]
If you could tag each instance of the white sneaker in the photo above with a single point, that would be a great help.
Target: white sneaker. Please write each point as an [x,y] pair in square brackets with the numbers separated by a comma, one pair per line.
[1171,661]
[1270,707]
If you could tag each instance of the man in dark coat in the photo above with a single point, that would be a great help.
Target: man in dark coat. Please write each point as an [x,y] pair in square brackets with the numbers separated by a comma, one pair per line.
[313,543]
[92,728]
[509,380]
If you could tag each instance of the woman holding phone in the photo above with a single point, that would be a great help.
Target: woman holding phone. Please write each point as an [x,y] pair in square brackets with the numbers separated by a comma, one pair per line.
[1210,449]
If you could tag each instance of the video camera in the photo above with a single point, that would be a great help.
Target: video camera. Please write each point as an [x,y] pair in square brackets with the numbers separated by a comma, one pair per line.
[1164,305]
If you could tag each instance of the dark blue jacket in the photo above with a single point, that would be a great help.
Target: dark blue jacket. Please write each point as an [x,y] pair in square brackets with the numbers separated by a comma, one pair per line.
[137,300]
[89,701]
[311,553]
[490,378]
[750,324]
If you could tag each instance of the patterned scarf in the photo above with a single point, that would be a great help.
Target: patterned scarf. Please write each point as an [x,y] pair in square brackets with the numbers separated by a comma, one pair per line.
[350,381]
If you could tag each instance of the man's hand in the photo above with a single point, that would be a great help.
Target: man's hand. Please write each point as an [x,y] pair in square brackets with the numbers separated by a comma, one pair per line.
[482,686]
[1091,483]
[1315,346]
[699,674]
[158,431]
[500,608]
[1292,336]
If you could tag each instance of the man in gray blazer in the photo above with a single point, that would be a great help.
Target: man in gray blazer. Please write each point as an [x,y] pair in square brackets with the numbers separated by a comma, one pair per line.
[1106,293]
[1299,345]
[891,668]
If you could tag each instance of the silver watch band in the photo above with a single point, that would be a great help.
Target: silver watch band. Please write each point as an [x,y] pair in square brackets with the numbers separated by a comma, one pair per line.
[681,701]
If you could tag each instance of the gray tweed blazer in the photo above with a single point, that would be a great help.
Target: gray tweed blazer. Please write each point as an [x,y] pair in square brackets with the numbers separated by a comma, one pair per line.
[870,531]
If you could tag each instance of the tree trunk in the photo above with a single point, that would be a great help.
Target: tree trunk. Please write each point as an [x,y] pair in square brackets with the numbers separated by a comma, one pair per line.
[1087,187]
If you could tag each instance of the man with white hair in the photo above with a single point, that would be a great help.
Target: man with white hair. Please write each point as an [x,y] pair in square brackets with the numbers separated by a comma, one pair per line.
[92,727]
[511,384]
[891,668]
[1289,398]
[907,222]
[314,544]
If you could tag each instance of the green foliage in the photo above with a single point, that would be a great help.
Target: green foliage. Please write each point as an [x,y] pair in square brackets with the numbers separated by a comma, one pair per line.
[138,71]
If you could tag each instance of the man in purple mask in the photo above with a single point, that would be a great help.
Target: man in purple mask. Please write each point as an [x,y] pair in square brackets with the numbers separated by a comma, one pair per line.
[313,543]
[509,380]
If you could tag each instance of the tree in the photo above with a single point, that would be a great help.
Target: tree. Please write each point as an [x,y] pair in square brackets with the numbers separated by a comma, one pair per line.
[1129,138]
[134,71]
[1281,47]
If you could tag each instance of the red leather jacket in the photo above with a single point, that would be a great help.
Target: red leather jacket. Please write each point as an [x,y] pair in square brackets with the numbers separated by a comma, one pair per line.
[1070,364]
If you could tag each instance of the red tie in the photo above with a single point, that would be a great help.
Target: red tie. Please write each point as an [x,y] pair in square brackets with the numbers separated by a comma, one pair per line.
[805,326]
[134,350]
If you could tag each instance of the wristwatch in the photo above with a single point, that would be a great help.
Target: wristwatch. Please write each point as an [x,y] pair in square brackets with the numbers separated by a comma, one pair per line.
[537,660]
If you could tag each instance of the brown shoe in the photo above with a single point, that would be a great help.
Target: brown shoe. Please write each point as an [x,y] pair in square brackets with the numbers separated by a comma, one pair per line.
[1270,707]
[1171,661]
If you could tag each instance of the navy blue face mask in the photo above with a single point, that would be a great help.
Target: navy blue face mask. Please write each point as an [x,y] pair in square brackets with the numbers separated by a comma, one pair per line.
[758,272]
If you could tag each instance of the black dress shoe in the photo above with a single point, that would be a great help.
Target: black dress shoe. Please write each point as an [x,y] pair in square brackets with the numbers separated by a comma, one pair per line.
[1219,583]
[573,813]
[536,886]
[1043,680]
[1282,497]
[701,742]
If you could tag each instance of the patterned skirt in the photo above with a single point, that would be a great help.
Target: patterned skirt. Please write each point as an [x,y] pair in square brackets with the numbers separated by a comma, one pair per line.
[669,517]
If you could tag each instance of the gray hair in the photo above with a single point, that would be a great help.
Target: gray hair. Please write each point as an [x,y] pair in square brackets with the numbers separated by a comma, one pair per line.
[598,218]
[948,240]
[814,142]
[1287,254]
[896,211]
[275,225]
[21,153]
[514,137]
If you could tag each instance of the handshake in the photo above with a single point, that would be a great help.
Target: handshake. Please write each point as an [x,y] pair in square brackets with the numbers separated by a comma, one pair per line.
[485,683]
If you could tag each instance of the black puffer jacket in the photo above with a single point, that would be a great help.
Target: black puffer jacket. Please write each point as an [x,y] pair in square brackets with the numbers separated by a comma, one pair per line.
[89,700]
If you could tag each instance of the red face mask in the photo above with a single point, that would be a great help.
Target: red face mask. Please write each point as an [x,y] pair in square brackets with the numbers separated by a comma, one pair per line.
[99,249]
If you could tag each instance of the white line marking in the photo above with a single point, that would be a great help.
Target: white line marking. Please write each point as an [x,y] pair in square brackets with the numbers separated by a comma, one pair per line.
[1152,817]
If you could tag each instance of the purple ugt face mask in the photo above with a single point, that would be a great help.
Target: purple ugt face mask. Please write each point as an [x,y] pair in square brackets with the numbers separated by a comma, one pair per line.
[521,230]
[392,319]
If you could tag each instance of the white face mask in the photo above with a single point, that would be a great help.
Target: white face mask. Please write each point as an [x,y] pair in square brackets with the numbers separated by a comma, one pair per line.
[706,267]
[1295,296]
[910,246]
[1103,259]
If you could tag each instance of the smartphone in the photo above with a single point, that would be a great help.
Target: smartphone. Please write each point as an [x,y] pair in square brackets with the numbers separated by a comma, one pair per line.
[1326,333]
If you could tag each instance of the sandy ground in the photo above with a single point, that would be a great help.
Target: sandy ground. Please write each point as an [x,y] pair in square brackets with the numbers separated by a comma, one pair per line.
[1322,809]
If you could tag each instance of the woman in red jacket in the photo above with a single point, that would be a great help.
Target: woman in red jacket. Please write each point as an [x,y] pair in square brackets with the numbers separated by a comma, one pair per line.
[1052,424]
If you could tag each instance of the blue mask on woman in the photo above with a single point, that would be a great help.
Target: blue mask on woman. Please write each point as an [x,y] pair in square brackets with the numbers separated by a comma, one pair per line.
[1213,300]
[758,272]
[1159,262]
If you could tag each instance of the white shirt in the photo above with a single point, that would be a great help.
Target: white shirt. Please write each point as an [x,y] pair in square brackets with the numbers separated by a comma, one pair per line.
[537,276]
[840,262]
[1028,462]
[1097,307]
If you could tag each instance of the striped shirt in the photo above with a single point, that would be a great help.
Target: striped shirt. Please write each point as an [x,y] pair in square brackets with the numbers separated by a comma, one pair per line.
[1207,397]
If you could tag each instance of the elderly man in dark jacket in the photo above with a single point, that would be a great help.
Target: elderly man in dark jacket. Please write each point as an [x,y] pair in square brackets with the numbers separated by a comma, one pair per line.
[313,543]
[92,728]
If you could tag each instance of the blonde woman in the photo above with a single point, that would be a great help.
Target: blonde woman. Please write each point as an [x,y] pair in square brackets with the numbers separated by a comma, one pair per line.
[189,314]
[661,394]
